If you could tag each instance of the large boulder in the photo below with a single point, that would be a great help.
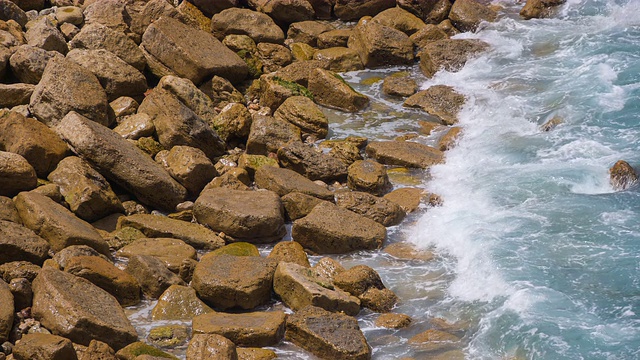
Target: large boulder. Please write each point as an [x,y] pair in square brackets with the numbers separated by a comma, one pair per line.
[369,176]
[121,162]
[355,9]
[375,208]
[97,36]
[330,90]
[404,153]
[66,86]
[284,11]
[227,282]
[466,15]
[211,346]
[327,335]
[285,181]
[191,53]
[28,63]
[365,283]
[258,26]
[59,226]
[172,252]
[622,175]
[179,303]
[17,243]
[299,286]
[44,347]
[400,19]
[311,163]
[329,229]
[441,101]
[78,310]
[44,34]
[380,45]
[448,54]
[245,329]
[539,8]
[268,134]
[16,174]
[152,275]
[6,311]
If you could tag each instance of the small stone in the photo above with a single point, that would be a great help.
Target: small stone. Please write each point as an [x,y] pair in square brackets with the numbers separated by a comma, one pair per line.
[211,346]
[168,336]
[393,321]
[368,176]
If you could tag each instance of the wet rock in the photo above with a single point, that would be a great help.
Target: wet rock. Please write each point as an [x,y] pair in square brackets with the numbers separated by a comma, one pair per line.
[10,11]
[226,281]
[312,164]
[44,34]
[368,176]
[18,243]
[169,336]
[375,208]
[97,36]
[539,8]
[449,54]
[399,84]
[171,251]
[622,175]
[211,346]
[256,354]
[393,321]
[428,34]
[307,32]
[268,134]
[400,19]
[6,311]
[97,350]
[28,63]
[142,351]
[329,89]
[221,92]
[328,268]
[105,275]
[62,257]
[327,335]
[258,26]
[404,153]
[16,174]
[298,72]
[44,347]
[190,166]
[431,11]
[135,126]
[365,283]
[78,310]
[329,229]
[434,340]
[154,226]
[552,123]
[339,59]
[441,101]
[285,181]
[233,122]
[284,11]
[408,198]
[334,38]
[450,138]
[179,303]
[380,45]
[289,251]
[152,275]
[355,9]
[273,56]
[245,329]
[466,15]
[12,95]
[298,205]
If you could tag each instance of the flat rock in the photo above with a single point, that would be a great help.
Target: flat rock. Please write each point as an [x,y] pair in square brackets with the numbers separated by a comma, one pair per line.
[258,26]
[434,340]
[305,114]
[285,181]
[245,329]
[311,163]
[369,176]
[211,346]
[380,45]
[135,126]
[268,134]
[152,275]
[375,208]
[179,303]
[6,311]
[28,63]
[404,153]
[44,346]
[448,54]
[298,205]
[330,90]
[399,84]
[16,174]
[97,36]
[441,101]
[62,257]
[172,252]
[355,9]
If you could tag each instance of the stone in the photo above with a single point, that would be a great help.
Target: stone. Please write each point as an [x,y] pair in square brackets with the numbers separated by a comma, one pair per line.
[343,150]
[237,249]
[284,11]
[375,208]
[379,45]
[97,36]
[69,15]
[44,347]
[240,42]
[428,34]
[365,283]
[368,176]
[431,11]
[255,354]
[441,101]
[169,336]
[5,56]
[285,181]
[298,205]
[329,229]
[399,84]
[466,15]
[393,321]
[28,63]
[400,19]
[10,11]
[22,293]
[229,180]
[171,251]
[355,9]
[135,126]
[299,286]
[408,198]
[244,329]
[302,51]
[44,34]
[154,226]
[307,32]
[211,346]
[258,26]
[227,282]
[192,97]
[448,54]
[327,335]
[62,257]
[8,210]
[273,56]
[78,310]
[404,153]
[339,59]
[450,138]
[250,163]
[334,38]
[179,303]
[6,311]
[268,134]
[190,167]
[141,15]
[289,251]
[69,31]
[328,268]
[551,123]
[17,243]
[124,106]
[142,351]
[330,90]
[12,95]
[117,77]
[274,90]
[221,92]
[16,174]
[110,13]
[312,164]
[106,276]
[214,7]
[539,8]
[152,275]
[434,340]
[97,350]
[298,72]
[56,224]
[233,122]
[88,194]
[622,175]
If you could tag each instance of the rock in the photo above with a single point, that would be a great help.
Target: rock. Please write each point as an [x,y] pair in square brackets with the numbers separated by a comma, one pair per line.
[10,11]
[171,251]
[179,303]
[329,89]
[434,340]
[214,7]
[355,9]
[44,34]
[375,208]
[6,311]
[404,153]
[226,281]
[237,249]
[393,321]
[135,126]
[69,31]
[334,38]
[298,72]
[466,15]
[441,101]
[285,181]
[339,59]
[124,106]
[142,351]
[256,354]
[327,335]
[268,134]
[307,32]
[428,34]
[230,180]
[97,350]
[16,174]
[380,45]
[221,92]
[69,15]
[552,123]
[8,210]
[233,122]
[368,176]
[299,286]
[78,310]
[22,293]
[244,329]
[273,56]
[18,243]
[28,63]
[328,268]
[240,42]
[622,175]
[408,198]
[365,283]
[302,51]
[110,13]
[399,84]
[190,167]
[56,224]
[251,163]
[448,54]
[5,55]
[298,205]
[192,97]
[105,275]
[450,138]
[154,226]
[539,8]
[400,19]
[62,257]
[169,336]
[258,26]
[15,94]
[289,251]
[284,11]
[97,36]
[152,275]
[211,346]
[329,229]
[431,11]
[312,164]
[274,90]
[44,347]
[343,150]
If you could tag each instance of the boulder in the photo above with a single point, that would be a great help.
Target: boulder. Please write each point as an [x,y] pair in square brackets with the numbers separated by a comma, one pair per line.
[299,286]
[190,167]
[44,34]
[110,13]
[450,138]
[539,8]
[10,11]
[62,257]
[17,243]
[142,351]
[16,174]
[78,310]
[434,340]
[448,54]
[106,276]
[441,101]
[355,9]
[399,84]
[233,122]
[258,26]
[124,106]
[172,252]
[69,15]
[97,36]
[327,335]
[380,45]
[307,32]
[375,208]
[312,164]
[369,176]
[192,97]
[268,134]
[135,126]
[408,198]
[179,303]
[66,86]
[431,11]
[426,35]
[8,210]
[44,347]
[28,63]
[344,150]
[334,38]
[622,175]
[12,95]
[152,275]
[466,15]
[273,56]
[289,251]
[400,19]
[329,229]
[250,163]
[22,293]
[339,59]
[6,311]
[328,268]
[154,226]
[211,346]
[213,7]
[97,350]
[285,181]
[121,162]
[245,329]
[227,282]
[302,51]
[393,321]
[274,90]
[404,153]
[237,249]
[298,72]
[221,92]
[56,224]
[284,11]
[298,205]
[365,283]
[143,14]
[330,90]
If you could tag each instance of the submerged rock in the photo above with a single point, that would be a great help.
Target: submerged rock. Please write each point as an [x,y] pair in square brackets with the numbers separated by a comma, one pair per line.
[404,153]
[441,101]
[622,175]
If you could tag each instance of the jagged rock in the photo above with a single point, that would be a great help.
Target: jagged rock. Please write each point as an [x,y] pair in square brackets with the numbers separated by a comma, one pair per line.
[298,205]
[393,321]
[448,54]
[428,34]
[365,283]
[195,99]
[329,229]
[434,340]
[121,162]
[329,89]
[245,329]
[221,92]
[380,45]
[466,15]
[339,59]
[78,310]
[284,11]
[399,84]
[368,176]
[404,153]
[233,122]
[400,19]
[268,134]
[152,275]
[97,36]
[431,11]
[307,32]
[211,346]
[44,34]
[135,126]
[441,101]
[375,208]
[258,26]
[227,281]
[44,347]
[97,350]
[8,210]
[190,167]
[312,164]
[285,181]
[539,8]
[408,198]
[6,310]
[622,175]
[172,252]
[334,38]
[450,138]
[28,63]
[273,56]
[179,303]
[355,9]
[16,174]
[12,95]
[214,7]
[298,72]
[62,257]
[289,251]
[327,335]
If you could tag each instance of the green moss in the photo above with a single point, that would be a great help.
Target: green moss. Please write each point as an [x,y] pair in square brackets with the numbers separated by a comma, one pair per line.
[254,64]
[238,249]
[136,349]
[295,88]
[343,81]
[371,80]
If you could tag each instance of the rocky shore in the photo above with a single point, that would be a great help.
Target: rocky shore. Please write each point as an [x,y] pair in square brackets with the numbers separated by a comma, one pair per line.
[149,148]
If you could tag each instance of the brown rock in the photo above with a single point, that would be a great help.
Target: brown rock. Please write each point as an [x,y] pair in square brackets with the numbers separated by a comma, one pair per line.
[379,300]
[12,95]
[211,346]
[312,164]
[307,32]
[10,11]
[97,36]
[62,257]
[192,97]
[179,303]
[97,350]
[273,56]
[214,7]
[8,210]
[233,122]
[285,181]
[22,293]
[434,340]
[428,34]
[622,175]
[380,45]
[404,153]
[44,347]
[152,275]
[258,26]
[6,311]
[399,84]
[368,176]
[539,8]
[339,59]
[303,113]
[551,123]
[334,38]
[251,163]
[365,283]
[135,126]
[408,198]
[274,90]
[329,89]
[110,13]
[355,9]
[143,351]
[400,19]
[344,150]
[450,138]
[256,354]
[431,11]
[375,208]
[268,134]
[124,106]
[299,71]
[221,92]
[44,34]
[172,252]
[245,329]
[28,62]
[328,268]
[441,101]
[237,249]
[284,11]
[289,251]
[448,54]
[298,205]
[393,321]
[16,174]
[190,166]
[466,15]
